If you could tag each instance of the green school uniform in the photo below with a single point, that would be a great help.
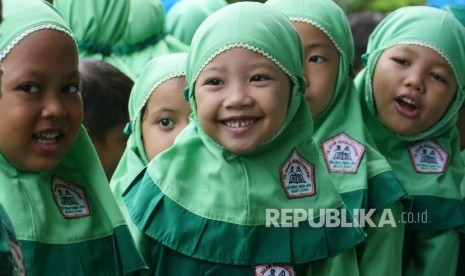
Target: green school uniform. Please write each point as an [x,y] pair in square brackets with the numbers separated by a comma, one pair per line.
[65,219]
[185,17]
[205,208]
[362,175]
[134,159]
[97,26]
[145,36]
[428,164]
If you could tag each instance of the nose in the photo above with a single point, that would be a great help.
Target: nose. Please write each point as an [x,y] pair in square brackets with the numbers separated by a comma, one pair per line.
[238,97]
[53,105]
[414,80]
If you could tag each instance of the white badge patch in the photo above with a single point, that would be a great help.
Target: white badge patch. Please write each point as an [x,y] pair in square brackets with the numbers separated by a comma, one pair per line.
[342,154]
[428,157]
[70,198]
[274,270]
[297,176]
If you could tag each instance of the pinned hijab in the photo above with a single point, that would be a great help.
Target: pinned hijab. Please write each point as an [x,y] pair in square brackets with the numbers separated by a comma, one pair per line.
[229,195]
[155,73]
[361,173]
[47,228]
[412,156]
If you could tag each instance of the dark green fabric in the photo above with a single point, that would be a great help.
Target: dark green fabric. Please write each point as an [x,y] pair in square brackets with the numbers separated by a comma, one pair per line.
[7,263]
[82,258]
[245,245]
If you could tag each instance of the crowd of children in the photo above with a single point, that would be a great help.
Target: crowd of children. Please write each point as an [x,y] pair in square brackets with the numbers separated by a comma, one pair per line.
[246,142]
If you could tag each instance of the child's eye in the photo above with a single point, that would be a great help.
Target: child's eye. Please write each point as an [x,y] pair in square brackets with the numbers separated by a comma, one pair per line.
[213,82]
[166,123]
[71,89]
[400,61]
[30,88]
[438,77]
[317,59]
[259,78]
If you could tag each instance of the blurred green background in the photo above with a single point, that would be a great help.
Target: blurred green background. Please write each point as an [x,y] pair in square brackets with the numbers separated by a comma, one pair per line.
[361,5]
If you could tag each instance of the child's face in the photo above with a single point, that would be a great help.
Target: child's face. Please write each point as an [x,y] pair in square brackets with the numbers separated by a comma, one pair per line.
[41,107]
[412,87]
[320,68]
[166,114]
[242,99]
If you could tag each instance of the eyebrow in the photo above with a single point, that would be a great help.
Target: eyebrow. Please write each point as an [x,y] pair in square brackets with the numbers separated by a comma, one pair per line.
[442,63]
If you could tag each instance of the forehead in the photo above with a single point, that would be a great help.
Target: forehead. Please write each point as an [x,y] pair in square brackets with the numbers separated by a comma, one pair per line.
[420,52]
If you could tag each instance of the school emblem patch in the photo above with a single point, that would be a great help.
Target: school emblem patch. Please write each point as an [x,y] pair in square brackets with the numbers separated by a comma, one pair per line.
[274,270]
[18,260]
[70,198]
[342,153]
[297,176]
[428,157]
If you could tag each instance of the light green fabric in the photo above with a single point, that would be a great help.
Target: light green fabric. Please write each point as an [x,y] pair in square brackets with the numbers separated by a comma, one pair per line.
[447,37]
[97,26]
[134,159]
[343,114]
[183,19]
[220,196]
[145,36]
[36,201]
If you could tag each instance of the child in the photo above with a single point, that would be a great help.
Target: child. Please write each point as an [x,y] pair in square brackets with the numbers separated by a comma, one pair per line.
[105,93]
[186,16]
[158,113]
[51,183]
[145,37]
[411,90]
[97,26]
[245,154]
[361,174]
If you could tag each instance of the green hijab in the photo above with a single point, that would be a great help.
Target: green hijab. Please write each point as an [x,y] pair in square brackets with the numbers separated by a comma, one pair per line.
[185,17]
[97,26]
[156,72]
[145,36]
[222,197]
[366,181]
[55,238]
[435,189]
[457,10]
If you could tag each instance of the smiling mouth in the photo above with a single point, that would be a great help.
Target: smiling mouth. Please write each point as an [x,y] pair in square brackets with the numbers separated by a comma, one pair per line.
[47,138]
[239,123]
[407,103]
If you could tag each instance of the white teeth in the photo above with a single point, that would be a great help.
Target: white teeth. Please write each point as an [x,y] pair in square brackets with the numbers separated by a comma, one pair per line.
[408,101]
[47,137]
[238,124]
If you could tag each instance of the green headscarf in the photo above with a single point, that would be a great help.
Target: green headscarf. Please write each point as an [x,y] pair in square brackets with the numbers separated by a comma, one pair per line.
[186,16]
[457,10]
[221,197]
[97,26]
[145,36]
[55,238]
[134,159]
[435,188]
[366,181]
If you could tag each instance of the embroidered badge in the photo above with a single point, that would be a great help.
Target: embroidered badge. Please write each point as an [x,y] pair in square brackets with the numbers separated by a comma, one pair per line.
[274,270]
[342,154]
[18,260]
[70,198]
[297,176]
[428,157]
